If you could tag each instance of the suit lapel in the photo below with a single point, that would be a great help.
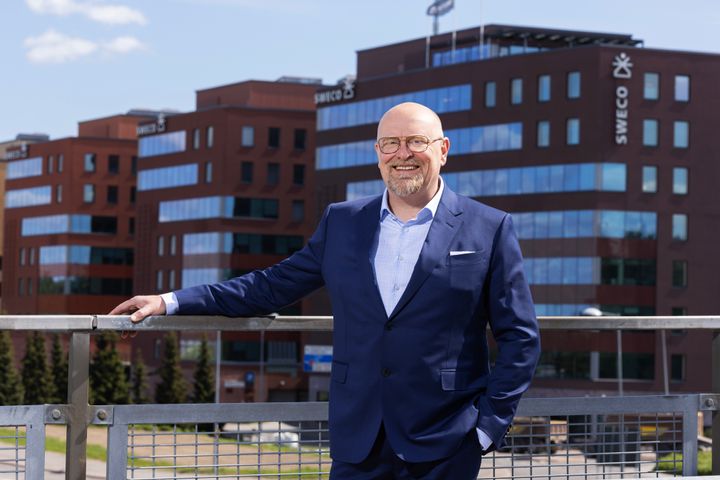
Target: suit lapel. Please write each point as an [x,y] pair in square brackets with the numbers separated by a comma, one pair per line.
[444,227]
[368,223]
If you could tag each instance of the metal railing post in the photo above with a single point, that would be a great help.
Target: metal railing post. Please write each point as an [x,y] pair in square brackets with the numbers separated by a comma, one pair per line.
[689,436]
[716,414]
[78,400]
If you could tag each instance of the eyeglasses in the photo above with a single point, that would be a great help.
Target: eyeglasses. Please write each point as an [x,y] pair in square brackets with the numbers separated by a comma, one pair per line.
[415,143]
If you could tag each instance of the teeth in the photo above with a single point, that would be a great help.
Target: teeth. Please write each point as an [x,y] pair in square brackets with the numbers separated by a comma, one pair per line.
[406,167]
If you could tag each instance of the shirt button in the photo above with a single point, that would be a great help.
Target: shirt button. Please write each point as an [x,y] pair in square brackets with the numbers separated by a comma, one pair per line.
[386,372]
[396,288]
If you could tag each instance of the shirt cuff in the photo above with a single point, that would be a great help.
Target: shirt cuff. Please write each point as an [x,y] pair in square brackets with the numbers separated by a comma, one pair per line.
[485,441]
[171,303]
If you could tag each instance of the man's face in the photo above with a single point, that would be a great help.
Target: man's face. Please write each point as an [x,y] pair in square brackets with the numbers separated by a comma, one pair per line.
[407,173]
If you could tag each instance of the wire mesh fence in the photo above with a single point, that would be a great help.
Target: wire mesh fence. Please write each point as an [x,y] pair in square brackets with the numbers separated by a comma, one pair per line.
[12,452]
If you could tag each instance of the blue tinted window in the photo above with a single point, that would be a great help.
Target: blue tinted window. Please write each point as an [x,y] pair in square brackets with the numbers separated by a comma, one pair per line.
[544,88]
[651,86]
[167,177]
[543,133]
[28,197]
[30,167]
[682,88]
[585,223]
[516,93]
[613,177]
[441,100]
[201,276]
[650,132]
[680,181]
[649,179]
[681,134]
[164,143]
[573,131]
[573,85]
[490,94]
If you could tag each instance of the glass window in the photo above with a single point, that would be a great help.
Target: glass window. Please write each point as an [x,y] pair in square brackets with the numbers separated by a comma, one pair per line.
[210,136]
[168,177]
[88,193]
[490,94]
[21,286]
[171,280]
[159,281]
[164,143]
[31,256]
[680,181]
[682,88]
[651,86]
[60,163]
[133,194]
[679,227]
[89,164]
[677,367]
[160,245]
[681,134]
[112,194]
[58,193]
[113,164]
[679,273]
[573,85]
[173,244]
[22,256]
[299,139]
[516,91]
[246,173]
[544,88]
[196,139]
[273,137]
[543,133]
[573,131]
[298,210]
[248,136]
[298,174]
[30,167]
[208,172]
[649,179]
[131,226]
[273,173]
[650,132]
[50,163]
[133,164]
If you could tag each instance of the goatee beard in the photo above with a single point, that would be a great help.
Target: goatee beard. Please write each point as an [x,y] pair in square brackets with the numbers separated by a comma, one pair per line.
[406,186]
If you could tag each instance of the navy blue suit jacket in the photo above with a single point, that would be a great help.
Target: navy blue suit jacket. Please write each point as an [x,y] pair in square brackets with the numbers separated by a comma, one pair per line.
[423,371]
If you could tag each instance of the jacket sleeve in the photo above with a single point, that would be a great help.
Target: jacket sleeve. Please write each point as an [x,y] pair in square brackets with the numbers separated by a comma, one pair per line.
[262,291]
[515,329]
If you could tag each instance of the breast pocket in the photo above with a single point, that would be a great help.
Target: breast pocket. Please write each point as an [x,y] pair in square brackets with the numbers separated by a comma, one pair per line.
[467,271]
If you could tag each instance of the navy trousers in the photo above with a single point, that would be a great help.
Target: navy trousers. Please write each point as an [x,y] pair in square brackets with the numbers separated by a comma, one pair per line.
[383,464]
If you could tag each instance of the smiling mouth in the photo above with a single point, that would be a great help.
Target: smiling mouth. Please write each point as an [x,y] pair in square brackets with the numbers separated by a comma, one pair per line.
[405,168]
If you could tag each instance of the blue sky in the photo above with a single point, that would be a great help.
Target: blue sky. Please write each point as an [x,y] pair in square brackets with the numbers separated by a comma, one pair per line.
[71,60]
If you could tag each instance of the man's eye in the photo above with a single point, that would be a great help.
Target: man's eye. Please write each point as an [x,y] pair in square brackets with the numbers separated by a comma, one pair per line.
[416,142]
[391,142]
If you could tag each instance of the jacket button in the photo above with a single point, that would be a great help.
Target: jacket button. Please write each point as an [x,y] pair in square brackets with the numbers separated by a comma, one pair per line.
[388,326]
[386,372]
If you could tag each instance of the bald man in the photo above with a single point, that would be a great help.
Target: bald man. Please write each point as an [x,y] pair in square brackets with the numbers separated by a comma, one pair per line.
[415,276]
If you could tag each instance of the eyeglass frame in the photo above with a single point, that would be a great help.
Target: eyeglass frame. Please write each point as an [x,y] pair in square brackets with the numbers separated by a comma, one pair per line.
[401,139]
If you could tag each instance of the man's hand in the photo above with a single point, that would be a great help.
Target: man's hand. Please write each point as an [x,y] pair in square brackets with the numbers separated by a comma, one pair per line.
[140,306]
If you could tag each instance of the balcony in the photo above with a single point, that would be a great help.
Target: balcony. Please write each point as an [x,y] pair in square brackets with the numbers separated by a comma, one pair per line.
[647,436]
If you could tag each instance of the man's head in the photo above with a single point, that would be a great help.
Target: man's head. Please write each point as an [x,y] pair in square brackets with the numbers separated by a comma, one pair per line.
[411,149]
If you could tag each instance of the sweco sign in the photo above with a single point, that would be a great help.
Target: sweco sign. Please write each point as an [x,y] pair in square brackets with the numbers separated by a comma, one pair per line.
[346,92]
[622,69]
[22,152]
[150,128]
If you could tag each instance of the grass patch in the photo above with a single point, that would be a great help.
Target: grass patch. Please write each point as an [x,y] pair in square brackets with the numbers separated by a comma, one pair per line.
[672,462]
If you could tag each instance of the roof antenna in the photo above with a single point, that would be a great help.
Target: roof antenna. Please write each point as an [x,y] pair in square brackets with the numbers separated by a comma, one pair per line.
[438,8]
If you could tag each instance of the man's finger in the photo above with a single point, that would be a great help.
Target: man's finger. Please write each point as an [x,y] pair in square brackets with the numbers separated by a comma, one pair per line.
[125,307]
[140,314]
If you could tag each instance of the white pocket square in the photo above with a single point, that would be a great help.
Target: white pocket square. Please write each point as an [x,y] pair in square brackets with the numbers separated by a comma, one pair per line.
[454,253]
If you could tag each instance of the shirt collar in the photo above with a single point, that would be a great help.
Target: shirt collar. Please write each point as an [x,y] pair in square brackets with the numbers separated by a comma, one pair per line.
[431,207]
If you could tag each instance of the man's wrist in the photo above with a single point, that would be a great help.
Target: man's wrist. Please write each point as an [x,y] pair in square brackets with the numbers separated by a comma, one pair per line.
[171,303]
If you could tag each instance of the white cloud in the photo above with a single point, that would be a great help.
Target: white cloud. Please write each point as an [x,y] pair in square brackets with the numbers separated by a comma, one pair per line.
[55,47]
[123,45]
[94,10]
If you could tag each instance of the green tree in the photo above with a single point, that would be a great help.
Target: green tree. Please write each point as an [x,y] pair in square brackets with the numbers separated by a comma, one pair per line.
[59,370]
[36,379]
[11,391]
[108,382]
[139,386]
[172,387]
[204,389]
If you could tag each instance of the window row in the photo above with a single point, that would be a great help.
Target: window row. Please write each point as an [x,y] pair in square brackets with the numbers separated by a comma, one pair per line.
[30,167]
[650,182]
[217,207]
[608,177]
[54,224]
[441,100]
[272,177]
[603,365]
[572,132]
[228,242]
[481,52]
[85,255]
[585,223]
[111,194]
[589,271]
[651,128]
[162,144]
[28,197]
[573,309]
[168,177]
[486,138]
[73,285]
[651,87]
[113,164]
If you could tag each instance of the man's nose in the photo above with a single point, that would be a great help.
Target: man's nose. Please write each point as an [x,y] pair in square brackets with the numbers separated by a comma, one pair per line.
[403,152]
